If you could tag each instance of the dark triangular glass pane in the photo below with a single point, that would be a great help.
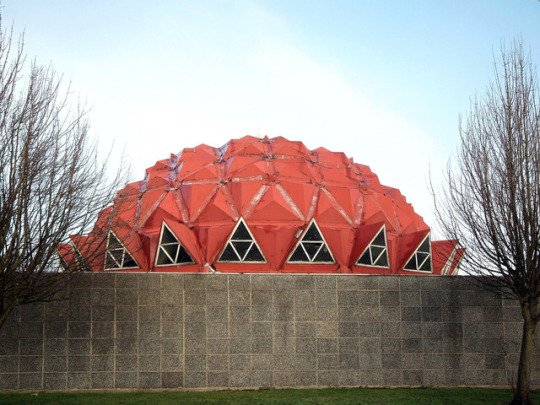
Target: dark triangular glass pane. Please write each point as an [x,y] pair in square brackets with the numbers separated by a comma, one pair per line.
[171,249]
[117,254]
[109,262]
[426,266]
[424,247]
[114,243]
[241,232]
[323,256]
[312,248]
[163,258]
[382,261]
[128,260]
[254,255]
[299,255]
[379,239]
[365,259]
[376,252]
[168,237]
[229,255]
[312,233]
[421,257]
[241,248]
[183,256]
[411,264]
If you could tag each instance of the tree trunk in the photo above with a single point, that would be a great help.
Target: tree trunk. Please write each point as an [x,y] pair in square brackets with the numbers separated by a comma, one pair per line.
[522,394]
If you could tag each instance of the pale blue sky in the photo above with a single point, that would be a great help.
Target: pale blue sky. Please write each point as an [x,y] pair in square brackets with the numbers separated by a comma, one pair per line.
[382,81]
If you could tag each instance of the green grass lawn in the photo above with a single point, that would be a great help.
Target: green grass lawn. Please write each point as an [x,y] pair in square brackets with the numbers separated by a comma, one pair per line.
[418,396]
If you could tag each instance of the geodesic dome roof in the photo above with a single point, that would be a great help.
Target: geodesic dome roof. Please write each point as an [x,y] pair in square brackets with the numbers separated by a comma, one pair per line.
[262,205]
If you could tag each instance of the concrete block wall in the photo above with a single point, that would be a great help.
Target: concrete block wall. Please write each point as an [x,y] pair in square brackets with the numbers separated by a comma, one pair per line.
[211,331]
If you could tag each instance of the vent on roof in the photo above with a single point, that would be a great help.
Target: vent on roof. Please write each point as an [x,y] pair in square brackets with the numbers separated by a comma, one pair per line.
[170,250]
[311,248]
[376,253]
[421,258]
[117,256]
[241,247]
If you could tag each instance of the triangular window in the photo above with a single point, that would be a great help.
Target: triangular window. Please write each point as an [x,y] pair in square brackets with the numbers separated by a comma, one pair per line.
[117,256]
[376,253]
[421,258]
[170,251]
[241,247]
[311,248]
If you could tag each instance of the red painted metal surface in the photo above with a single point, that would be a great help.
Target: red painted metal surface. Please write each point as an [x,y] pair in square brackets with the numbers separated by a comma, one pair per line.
[278,188]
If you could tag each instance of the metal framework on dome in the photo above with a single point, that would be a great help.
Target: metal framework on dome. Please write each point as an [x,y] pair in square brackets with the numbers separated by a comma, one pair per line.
[311,248]
[265,205]
[170,251]
[117,256]
[376,253]
[420,260]
[241,247]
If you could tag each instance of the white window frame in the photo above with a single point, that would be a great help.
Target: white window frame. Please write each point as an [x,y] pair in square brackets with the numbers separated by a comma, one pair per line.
[428,236]
[383,229]
[300,241]
[164,225]
[229,240]
[125,250]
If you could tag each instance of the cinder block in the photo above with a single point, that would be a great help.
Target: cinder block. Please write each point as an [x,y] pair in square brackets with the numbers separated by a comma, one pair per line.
[102,329]
[327,361]
[262,345]
[306,346]
[194,379]
[240,282]
[413,377]
[172,346]
[149,281]
[240,297]
[102,363]
[391,377]
[217,282]
[126,380]
[55,364]
[125,362]
[30,330]
[127,313]
[78,330]
[78,363]
[217,346]
[195,362]
[262,362]
[389,298]
[30,364]
[369,345]
[327,378]
[149,380]
[348,345]
[9,347]
[55,329]
[195,346]
[261,379]
[9,381]
[79,380]
[219,379]
[126,345]
[54,381]
[30,347]
[369,361]
[218,313]
[195,297]
[29,381]
[306,329]
[172,379]
[391,360]
[389,283]
[264,329]
[127,297]
[149,363]
[240,379]
[240,361]
[217,330]
[411,314]
[368,282]
[326,282]
[410,298]
[55,347]
[172,363]
[149,313]
[102,346]
[217,362]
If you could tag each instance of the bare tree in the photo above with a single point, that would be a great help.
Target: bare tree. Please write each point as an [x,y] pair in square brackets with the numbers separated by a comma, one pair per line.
[491,198]
[52,183]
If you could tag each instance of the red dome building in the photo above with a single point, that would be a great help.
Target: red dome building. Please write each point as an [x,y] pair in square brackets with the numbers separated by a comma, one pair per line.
[262,205]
